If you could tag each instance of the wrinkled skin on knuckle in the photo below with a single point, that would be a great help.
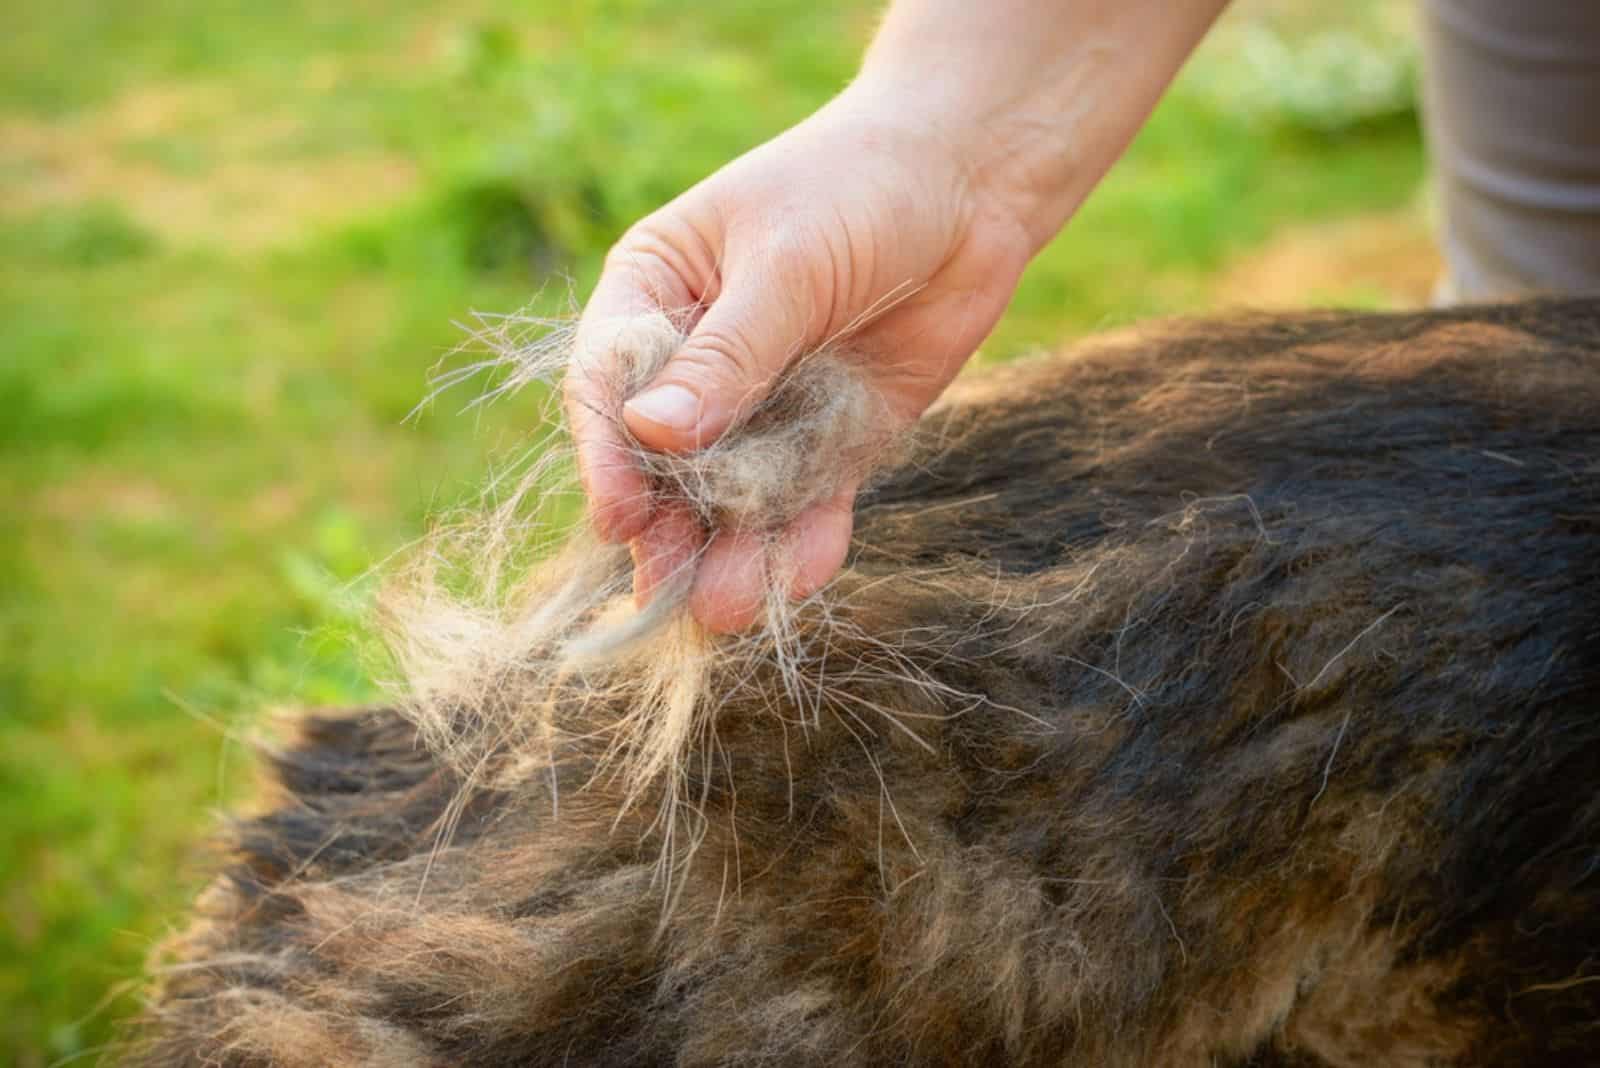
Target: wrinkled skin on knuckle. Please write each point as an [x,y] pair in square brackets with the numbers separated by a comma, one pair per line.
[724,357]
[670,253]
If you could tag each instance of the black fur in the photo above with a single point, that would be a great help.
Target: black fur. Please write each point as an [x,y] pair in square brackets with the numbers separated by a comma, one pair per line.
[1270,737]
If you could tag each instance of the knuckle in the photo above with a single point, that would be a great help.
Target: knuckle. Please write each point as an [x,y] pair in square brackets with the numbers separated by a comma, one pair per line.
[796,243]
[577,394]
[639,250]
[663,254]
[723,354]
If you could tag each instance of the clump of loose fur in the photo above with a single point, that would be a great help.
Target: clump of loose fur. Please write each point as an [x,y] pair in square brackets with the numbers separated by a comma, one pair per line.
[821,429]
[489,642]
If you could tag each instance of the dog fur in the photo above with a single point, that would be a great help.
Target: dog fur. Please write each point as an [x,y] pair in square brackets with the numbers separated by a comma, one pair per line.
[1264,732]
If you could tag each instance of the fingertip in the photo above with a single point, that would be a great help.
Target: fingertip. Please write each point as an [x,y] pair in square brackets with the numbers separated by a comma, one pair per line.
[666,548]
[619,500]
[820,541]
[730,585]
[618,521]
[622,329]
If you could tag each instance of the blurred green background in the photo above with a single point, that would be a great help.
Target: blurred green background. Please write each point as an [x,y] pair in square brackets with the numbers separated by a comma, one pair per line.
[234,238]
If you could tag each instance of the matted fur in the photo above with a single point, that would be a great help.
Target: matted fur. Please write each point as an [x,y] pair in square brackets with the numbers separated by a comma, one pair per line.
[1226,694]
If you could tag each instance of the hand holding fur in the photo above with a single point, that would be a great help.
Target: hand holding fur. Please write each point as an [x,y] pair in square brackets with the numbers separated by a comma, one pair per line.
[902,213]
[779,254]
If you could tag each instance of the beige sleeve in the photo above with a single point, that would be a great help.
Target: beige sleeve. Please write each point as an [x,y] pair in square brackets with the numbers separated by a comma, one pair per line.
[1511,96]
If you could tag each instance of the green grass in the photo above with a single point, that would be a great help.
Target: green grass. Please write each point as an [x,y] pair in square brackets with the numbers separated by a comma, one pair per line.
[214,317]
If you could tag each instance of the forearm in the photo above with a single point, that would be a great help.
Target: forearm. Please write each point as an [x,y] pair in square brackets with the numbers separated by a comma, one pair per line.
[1040,97]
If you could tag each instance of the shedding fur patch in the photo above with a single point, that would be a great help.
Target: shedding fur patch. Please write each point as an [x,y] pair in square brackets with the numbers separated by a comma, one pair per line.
[1287,652]
[493,629]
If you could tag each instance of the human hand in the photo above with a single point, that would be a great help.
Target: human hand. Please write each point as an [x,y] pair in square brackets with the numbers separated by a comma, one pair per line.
[971,136]
[850,223]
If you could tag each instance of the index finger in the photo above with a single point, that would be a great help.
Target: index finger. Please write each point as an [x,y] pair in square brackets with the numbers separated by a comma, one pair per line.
[630,287]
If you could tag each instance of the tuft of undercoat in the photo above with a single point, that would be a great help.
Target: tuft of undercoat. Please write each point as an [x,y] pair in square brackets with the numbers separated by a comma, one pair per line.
[504,616]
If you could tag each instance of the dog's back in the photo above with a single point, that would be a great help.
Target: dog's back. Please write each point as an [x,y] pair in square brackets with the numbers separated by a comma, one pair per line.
[1228,694]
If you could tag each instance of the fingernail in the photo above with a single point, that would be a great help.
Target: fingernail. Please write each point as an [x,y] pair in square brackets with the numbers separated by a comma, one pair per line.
[670,406]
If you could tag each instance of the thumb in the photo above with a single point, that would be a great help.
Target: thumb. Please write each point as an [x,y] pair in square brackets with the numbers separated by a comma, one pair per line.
[728,364]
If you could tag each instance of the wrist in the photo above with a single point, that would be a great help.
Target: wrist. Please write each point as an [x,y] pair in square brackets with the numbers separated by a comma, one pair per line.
[1013,157]
[1035,99]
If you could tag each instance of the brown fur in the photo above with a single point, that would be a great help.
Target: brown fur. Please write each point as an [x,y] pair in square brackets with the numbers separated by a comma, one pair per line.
[1267,657]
